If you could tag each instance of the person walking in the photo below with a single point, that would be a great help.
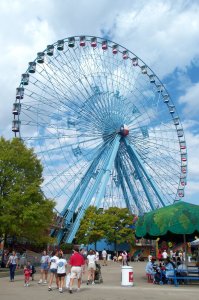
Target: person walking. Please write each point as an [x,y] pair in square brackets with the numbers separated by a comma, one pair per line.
[164,255]
[159,255]
[12,264]
[45,260]
[104,257]
[124,258]
[76,262]
[91,263]
[32,268]
[53,269]
[96,256]
[27,274]
[61,271]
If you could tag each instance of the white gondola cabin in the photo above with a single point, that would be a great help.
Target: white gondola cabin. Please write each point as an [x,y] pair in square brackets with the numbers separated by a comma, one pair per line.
[166,98]
[40,57]
[159,88]
[32,67]
[152,78]
[180,132]
[144,69]
[135,61]
[60,45]
[176,121]
[50,50]
[19,93]
[16,125]
[71,42]
[16,108]
[171,109]
[25,79]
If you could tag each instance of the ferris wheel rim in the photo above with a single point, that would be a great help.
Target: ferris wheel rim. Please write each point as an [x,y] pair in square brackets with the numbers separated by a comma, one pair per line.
[123,48]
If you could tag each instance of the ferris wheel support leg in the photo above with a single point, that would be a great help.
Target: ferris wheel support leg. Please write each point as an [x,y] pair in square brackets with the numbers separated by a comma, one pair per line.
[81,188]
[139,165]
[105,169]
[131,189]
[81,185]
[106,177]
[68,214]
[140,175]
[125,194]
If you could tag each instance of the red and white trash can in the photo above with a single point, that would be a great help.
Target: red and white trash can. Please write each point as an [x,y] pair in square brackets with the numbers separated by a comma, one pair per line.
[127,276]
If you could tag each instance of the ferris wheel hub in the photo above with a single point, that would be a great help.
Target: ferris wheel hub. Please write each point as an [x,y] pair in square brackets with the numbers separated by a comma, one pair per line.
[124,130]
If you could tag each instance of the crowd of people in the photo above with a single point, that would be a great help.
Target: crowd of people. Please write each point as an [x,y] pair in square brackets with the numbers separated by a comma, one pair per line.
[56,268]
[166,266]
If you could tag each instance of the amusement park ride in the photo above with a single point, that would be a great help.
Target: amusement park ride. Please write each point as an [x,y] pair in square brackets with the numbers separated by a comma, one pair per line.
[104,127]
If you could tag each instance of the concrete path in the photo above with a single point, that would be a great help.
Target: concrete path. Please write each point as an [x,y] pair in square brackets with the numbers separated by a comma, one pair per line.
[109,290]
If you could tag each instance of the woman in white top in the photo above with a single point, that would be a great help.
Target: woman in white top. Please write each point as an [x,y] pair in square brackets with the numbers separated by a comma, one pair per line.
[12,263]
[53,269]
[61,271]
[45,260]
[91,259]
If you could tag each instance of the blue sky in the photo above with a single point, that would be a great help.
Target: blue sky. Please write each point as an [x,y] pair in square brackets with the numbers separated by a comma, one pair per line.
[165,34]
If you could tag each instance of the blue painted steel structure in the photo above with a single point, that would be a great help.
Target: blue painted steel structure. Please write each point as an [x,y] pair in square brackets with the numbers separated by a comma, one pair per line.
[104,127]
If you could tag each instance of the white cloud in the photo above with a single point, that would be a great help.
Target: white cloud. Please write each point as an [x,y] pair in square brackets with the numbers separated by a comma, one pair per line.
[191,99]
[164,33]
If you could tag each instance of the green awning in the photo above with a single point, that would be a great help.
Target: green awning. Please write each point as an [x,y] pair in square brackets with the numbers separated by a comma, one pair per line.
[180,218]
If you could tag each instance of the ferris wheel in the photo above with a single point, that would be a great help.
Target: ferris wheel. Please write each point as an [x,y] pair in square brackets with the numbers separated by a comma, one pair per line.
[104,127]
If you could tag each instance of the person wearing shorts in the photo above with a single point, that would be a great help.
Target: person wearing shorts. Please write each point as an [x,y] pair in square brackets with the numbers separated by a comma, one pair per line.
[61,271]
[45,260]
[91,262]
[76,263]
[53,269]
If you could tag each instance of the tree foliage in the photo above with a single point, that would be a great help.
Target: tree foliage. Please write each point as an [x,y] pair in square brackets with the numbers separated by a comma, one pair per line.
[117,222]
[24,211]
[112,224]
[91,229]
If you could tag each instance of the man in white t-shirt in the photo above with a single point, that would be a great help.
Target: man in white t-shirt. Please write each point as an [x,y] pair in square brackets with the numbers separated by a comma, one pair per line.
[104,257]
[164,255]
[53,269]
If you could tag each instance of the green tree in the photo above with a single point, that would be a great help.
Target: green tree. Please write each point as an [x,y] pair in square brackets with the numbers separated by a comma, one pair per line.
[24,211]
[117,228]
[111,224]
[91,229]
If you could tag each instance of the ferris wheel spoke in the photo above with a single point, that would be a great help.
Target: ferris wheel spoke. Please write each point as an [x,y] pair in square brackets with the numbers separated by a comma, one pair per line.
[161,162]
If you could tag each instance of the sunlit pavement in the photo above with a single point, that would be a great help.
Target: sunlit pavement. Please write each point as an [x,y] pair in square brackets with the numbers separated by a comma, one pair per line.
[109,289]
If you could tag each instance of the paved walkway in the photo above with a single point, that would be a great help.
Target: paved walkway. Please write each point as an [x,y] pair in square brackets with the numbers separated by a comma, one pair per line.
[109,290]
